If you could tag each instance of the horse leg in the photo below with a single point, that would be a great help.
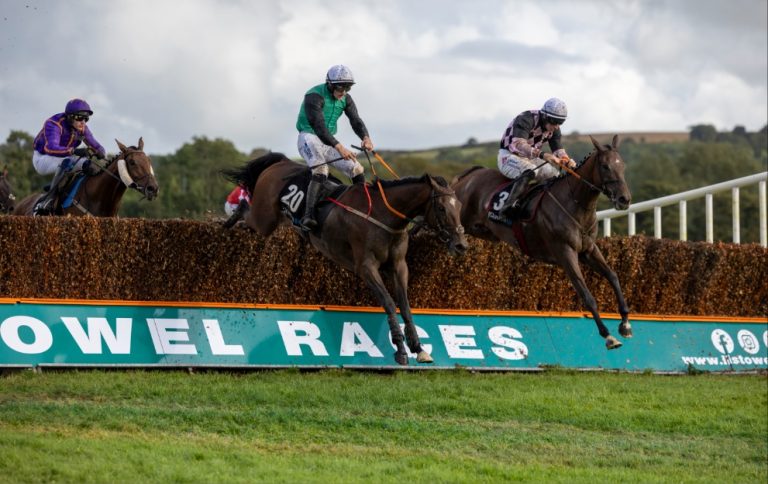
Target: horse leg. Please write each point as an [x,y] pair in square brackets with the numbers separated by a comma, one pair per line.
[400,283]
[569,262]
[596,261]
[370,274]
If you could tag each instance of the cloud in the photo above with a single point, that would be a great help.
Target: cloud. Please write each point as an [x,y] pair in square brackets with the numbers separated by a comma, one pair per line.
[430,72]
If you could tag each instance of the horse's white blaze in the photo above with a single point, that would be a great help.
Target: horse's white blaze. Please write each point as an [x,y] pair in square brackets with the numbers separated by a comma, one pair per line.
[453,202]
[123,171]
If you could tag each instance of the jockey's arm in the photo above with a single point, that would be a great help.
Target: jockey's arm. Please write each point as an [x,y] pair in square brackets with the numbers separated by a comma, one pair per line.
[313,107]
[357,123]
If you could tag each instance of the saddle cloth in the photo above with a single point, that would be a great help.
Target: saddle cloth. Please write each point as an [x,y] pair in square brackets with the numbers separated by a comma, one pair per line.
[293,196]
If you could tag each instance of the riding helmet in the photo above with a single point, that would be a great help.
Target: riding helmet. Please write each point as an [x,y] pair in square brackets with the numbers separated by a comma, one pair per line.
[78,106]
[340,74]
[556,110]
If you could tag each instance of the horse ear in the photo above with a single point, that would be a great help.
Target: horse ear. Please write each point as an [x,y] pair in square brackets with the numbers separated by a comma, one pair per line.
[596,144]
[615,142]
[122,147]
[141,144]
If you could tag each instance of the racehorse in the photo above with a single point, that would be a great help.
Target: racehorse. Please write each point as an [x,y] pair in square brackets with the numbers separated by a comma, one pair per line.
[557,223]
[100,195]
[363,231]
[6,193]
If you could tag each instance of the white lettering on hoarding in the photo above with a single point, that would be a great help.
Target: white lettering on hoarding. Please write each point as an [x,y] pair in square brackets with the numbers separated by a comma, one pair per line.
[509,348]
[9,332]
[354,340]
[119,342]
[310,336]
[165,336]
[216,340]
[457,338]
[748,341]
[722,341]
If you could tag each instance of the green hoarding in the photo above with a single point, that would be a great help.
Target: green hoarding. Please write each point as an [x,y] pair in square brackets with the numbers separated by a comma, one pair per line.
[36,333]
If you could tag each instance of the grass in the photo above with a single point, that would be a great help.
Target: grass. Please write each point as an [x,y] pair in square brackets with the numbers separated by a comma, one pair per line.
[345,426]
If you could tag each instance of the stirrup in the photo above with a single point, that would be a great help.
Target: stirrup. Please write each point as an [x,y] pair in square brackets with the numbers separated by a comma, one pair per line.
[307,223]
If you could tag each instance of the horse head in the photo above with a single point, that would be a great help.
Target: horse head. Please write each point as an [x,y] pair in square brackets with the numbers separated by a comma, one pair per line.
[608,173]
[135,169]
[444,215]
[6,193]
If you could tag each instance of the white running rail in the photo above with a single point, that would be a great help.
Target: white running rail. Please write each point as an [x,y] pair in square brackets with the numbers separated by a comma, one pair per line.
[682,198]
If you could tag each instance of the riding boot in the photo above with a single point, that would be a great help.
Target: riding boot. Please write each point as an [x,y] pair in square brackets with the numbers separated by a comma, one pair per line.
[308,221]
[45,205]
[518,188]
[358,178]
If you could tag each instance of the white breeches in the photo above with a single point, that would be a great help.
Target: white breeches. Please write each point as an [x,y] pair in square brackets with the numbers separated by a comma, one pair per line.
[315,153]
[47,164]
[511,166]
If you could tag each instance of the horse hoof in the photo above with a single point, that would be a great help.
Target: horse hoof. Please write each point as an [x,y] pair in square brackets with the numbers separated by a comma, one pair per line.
[612,343]
[625,330]
[424,357]
[401,359]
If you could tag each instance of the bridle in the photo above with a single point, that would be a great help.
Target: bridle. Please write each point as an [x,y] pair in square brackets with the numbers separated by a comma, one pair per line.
[440,224]
[604,183]
[123,176]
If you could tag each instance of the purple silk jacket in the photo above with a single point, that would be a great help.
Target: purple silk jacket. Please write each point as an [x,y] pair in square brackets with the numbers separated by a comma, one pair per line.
[58,138]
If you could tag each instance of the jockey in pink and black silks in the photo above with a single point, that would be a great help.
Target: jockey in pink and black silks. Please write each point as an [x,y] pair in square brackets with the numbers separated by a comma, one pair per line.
[520,147]
[57,148]
[317,124]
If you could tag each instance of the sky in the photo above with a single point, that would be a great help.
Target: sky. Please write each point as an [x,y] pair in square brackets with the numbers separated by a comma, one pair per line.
[429,72]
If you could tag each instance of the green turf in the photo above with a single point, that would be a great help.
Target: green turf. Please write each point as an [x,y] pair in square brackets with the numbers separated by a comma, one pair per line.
[345,426]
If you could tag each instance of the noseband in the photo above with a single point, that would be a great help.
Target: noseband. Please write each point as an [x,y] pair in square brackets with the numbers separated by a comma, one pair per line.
[123,176]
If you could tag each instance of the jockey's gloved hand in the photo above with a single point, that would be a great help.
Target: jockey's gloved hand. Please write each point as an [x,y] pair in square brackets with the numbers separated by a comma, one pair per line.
[80,152]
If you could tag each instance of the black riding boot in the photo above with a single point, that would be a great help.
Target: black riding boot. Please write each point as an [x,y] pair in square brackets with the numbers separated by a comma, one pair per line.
[518,188]
[358,178]
[45,205]
[308,221]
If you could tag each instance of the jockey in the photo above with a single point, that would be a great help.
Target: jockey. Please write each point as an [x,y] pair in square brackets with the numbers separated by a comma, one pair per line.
[520,147]
[57,151]
[235,198]
[317,125]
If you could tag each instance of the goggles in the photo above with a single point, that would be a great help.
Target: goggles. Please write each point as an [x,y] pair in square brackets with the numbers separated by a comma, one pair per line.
[346,87]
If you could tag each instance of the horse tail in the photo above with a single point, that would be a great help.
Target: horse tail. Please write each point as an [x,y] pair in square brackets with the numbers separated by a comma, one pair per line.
[247,174]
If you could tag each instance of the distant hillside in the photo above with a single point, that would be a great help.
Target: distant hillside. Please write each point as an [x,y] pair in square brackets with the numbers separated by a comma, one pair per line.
[445,160]
[637,137]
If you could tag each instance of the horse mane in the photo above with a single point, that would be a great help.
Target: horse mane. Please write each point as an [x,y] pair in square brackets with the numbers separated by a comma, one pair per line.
[247,174]
[412,179]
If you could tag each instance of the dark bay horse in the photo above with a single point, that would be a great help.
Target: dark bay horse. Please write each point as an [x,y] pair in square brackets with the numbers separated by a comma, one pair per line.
[558,223]
[100,195]
[7,198]
[361,236]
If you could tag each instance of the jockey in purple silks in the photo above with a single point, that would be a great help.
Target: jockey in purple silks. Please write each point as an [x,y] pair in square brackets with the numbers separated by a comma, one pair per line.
[57,148]
[520,148]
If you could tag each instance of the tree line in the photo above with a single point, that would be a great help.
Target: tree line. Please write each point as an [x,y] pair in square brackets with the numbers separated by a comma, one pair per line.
[192,187]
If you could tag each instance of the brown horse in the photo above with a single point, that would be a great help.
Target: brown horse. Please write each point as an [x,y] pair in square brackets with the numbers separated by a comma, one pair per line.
[361,236]
[557,224]
[7,197]
[100,195]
